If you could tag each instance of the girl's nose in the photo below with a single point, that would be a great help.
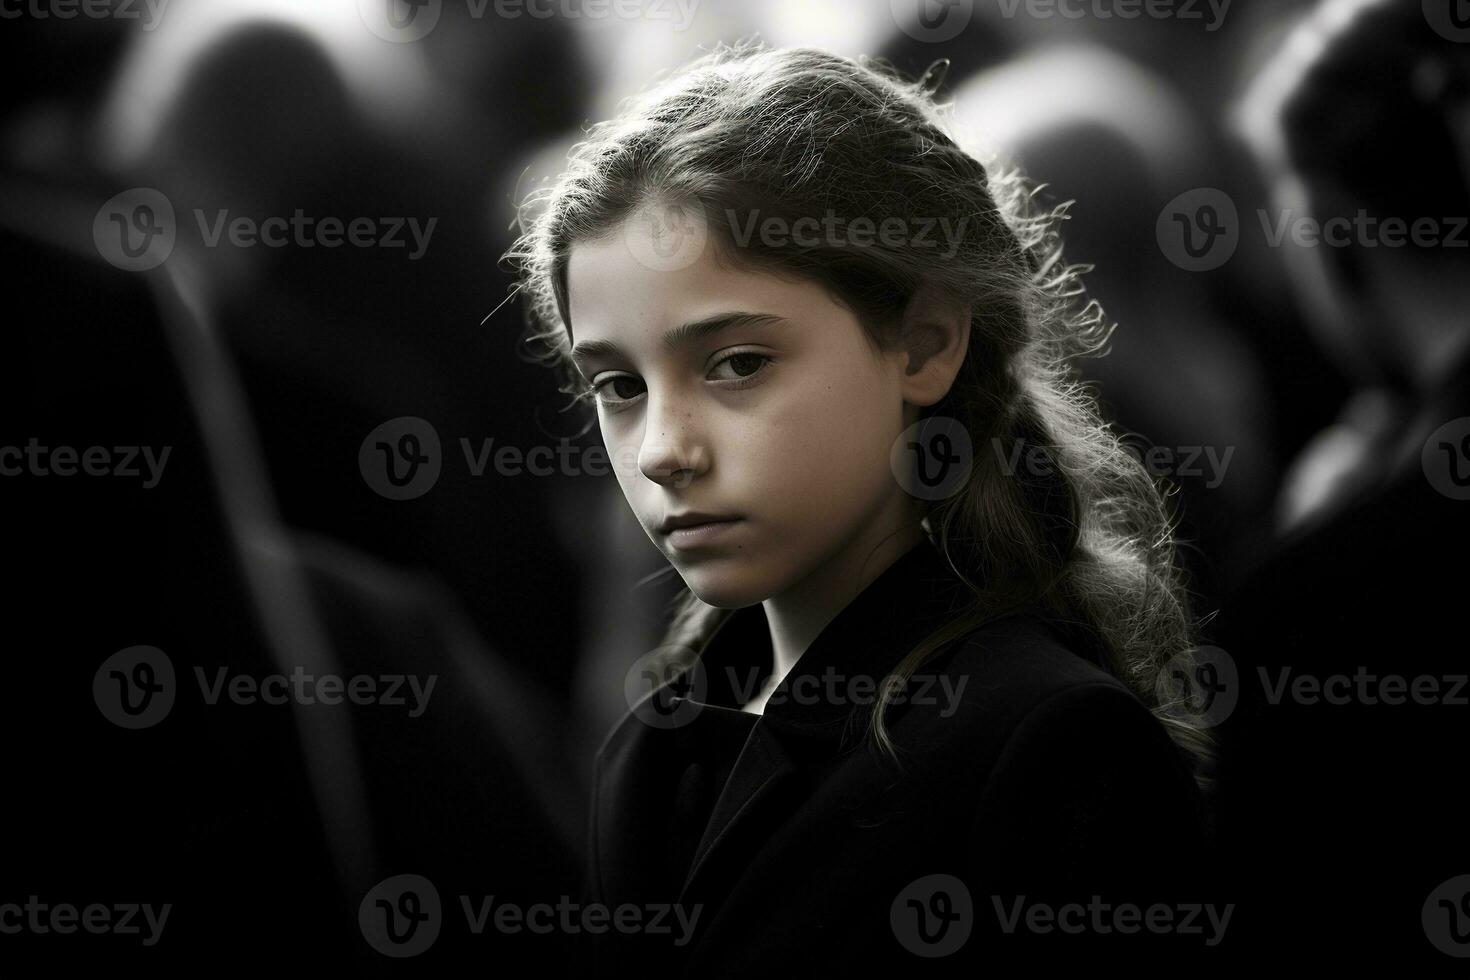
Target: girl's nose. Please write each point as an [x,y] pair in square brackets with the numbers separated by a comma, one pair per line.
[673,451]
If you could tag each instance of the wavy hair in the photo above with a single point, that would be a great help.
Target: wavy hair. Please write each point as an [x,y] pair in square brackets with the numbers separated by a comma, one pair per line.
[1088,538]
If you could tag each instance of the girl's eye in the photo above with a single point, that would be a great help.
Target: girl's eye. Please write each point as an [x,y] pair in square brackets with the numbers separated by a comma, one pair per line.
[742,365]
[740,369]
[617,389]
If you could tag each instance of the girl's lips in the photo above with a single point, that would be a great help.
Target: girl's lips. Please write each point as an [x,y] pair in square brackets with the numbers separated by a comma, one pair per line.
[697,535]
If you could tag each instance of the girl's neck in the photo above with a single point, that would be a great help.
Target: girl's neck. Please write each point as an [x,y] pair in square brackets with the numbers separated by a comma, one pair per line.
[799,614]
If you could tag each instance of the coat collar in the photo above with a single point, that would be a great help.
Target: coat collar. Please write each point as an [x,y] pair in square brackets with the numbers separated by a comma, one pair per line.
[850,656]
[801,724]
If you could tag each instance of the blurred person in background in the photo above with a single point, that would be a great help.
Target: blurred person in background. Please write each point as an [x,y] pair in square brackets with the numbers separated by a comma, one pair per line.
[1345,124]
[268,119]
[271,819]
[1340,768]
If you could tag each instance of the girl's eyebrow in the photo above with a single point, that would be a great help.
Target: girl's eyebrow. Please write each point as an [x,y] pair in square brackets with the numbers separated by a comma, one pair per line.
[683,334]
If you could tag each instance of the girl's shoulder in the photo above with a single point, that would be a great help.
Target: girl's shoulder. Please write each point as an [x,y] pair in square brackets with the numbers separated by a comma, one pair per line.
[1020,675]
[1026,652]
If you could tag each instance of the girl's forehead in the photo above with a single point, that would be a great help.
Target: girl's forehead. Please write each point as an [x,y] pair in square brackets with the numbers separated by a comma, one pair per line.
[613,290]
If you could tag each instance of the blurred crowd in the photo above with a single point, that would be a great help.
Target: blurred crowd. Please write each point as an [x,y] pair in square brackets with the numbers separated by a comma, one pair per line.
[1291,392]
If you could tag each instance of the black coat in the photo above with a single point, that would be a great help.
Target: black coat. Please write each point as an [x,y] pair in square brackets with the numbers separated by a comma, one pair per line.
[1342,798]
[1033,773]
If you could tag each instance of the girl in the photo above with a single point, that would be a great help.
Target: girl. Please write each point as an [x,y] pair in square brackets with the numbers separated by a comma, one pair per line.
[925,664]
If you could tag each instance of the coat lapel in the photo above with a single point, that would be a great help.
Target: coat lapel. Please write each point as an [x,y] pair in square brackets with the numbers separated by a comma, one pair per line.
[761,776]
[781,746]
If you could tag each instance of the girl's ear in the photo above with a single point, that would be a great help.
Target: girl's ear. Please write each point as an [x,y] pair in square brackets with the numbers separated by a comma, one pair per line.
[935,337]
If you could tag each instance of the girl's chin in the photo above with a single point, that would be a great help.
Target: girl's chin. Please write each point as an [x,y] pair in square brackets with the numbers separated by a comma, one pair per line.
[727,587]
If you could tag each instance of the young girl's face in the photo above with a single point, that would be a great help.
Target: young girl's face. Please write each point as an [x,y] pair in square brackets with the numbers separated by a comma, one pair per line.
[735,393]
